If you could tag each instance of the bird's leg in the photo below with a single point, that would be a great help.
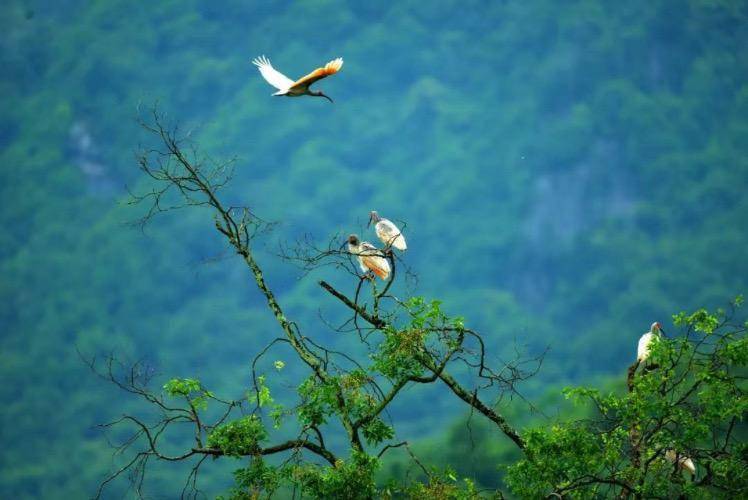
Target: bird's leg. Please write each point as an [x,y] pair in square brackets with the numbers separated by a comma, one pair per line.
[375,303]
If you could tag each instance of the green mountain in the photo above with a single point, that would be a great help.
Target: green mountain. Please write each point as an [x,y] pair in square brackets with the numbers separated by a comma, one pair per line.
[568,174]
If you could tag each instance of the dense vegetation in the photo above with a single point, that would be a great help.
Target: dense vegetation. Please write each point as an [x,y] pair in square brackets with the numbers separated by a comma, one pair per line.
[684,407]
[568,175]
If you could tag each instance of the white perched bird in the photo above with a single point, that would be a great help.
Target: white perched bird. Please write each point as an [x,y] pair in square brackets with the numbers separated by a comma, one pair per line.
[370,258]
[645,342]
[684,462]
[387,232]
[290,88]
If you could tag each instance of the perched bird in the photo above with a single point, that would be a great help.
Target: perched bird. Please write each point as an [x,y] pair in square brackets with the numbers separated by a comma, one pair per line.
[642,351]
[369,257]
[387,232]
[684,462]
[290,88]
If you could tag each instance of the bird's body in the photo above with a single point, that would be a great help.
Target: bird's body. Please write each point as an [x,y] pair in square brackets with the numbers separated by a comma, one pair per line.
[370,258]
[642,351]
[684,462]
[387,232]
[290,88]
[645,342]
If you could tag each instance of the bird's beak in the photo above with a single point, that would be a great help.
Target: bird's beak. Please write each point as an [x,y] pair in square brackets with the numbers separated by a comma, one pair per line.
[323,95]
[371,218]
[663,333]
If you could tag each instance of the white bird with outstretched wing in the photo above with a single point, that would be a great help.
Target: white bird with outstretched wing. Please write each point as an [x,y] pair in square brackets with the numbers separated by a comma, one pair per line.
[272,75]
[290,88]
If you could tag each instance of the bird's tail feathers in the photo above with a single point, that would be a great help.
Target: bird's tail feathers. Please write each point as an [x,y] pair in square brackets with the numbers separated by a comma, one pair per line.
[382,273]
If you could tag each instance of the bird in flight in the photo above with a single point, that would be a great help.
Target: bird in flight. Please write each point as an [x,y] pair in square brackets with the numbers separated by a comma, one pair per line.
[290,88]
[387,232]
[370,259]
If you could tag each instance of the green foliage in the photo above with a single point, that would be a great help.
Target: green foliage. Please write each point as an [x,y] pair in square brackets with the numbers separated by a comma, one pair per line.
[257,477]
[352,479]
[395,358]
[239,437]
[689,397]
[262,395]
[556,454]
[191,390]
[444,486]
[319,400]
[182,387]
[700,321]
[397,353]
[377,431]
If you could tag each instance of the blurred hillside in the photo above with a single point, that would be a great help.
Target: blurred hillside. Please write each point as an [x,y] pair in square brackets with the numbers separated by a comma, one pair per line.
[568,174]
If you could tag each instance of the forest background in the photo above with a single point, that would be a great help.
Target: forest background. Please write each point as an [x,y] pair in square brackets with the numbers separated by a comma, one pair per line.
[568,174]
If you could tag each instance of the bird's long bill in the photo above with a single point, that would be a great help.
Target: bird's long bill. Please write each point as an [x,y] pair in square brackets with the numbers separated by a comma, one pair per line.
[663,333]
[325,96]
[371,219]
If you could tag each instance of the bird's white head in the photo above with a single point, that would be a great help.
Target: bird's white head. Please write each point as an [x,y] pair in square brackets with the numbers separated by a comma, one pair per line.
[656,327]
[373,217]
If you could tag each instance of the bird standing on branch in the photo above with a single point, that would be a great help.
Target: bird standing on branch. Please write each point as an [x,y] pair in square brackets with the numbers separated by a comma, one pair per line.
[290,88]
[370,258]
[645,342]
[387,232]
[684,462]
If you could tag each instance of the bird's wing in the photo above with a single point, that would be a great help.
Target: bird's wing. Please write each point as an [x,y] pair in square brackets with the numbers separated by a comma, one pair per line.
[272,75]
[354,249]
[361,264]
[330,69]
[371,257]
[369,249]
[390,234]
[378,265]
[684,461]
[687,463]
[642,351]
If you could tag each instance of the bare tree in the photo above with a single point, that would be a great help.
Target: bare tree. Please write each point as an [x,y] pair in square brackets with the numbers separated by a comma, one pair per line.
[416,343]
